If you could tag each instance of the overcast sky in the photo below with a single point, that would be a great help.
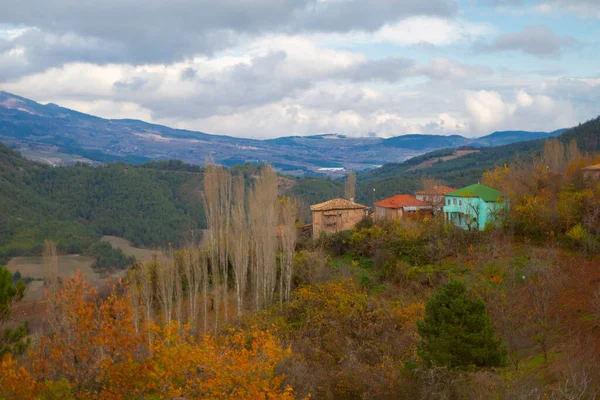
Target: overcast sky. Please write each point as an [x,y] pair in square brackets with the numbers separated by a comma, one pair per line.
[268,68]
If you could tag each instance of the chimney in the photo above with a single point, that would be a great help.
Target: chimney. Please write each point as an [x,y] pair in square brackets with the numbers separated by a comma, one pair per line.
[351,199]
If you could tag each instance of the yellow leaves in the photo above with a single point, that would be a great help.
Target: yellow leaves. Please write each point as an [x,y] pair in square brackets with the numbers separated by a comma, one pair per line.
[95,351]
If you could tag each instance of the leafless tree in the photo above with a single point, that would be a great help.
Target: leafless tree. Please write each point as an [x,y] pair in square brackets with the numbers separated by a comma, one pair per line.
[350,186]
[217,206]
[50,258]
[239,246]
[263,225]
[553,156]
[224,213]
[194,268]
[166,281]
[544,282]
[287,243]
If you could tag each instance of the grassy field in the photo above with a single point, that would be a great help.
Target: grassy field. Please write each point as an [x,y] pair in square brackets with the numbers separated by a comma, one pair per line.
[68,265]
[128,249]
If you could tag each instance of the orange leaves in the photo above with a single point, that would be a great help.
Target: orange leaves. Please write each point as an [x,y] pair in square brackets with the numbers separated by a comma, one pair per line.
[95,350]
[241,365]
[15,381]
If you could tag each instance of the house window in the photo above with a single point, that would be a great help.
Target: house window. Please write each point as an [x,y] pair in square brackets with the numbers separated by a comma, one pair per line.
[454,201]
[460,203]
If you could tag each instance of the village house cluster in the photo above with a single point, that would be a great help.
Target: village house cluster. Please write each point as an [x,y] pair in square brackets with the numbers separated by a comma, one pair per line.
[472,207]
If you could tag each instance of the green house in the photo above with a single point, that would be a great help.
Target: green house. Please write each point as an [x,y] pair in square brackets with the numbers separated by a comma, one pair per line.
[474,207]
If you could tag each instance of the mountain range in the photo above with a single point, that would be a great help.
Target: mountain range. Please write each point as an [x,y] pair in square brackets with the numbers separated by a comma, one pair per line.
[58,136]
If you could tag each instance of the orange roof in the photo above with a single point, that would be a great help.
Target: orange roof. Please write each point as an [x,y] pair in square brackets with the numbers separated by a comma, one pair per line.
[337,204]
[402,200]
[592,167]
[437,190]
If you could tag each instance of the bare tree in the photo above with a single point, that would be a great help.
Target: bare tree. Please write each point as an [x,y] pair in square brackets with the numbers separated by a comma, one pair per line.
[263,225]
[194,267]
[50,258]
[239,246]
[224,179]
[166,280]
[544,283]
[553,156]
[210,196]
[350,186]
[217,206]
[287,243]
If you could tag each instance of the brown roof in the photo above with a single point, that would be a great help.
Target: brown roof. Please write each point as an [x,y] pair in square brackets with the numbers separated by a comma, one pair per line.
[337,204]
[593,168]
[402,200]
[437,190]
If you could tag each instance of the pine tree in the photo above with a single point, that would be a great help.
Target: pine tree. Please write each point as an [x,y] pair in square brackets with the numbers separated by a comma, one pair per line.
[457,331]
[12,340]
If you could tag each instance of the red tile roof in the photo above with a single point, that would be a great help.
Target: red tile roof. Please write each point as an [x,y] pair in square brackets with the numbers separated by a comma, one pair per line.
[337,204]
[437,190]
[402,200]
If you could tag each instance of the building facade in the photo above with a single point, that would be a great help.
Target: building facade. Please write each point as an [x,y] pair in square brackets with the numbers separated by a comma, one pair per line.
[336,215]
[591,172]
[475,207]
[402,206]
[435,196]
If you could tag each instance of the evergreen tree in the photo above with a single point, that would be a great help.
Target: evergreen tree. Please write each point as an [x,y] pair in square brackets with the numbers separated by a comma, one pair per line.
[12,340]
[457,331]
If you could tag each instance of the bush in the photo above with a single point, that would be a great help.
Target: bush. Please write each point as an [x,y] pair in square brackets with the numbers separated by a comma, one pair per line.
[108,257]
[457,331]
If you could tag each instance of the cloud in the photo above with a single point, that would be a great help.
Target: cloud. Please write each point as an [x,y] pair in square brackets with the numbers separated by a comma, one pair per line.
[162,31]
[486,110]
[582,8]
[537,40]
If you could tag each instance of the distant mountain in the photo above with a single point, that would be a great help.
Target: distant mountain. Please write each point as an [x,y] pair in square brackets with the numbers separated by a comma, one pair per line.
[58,136]
[405,177]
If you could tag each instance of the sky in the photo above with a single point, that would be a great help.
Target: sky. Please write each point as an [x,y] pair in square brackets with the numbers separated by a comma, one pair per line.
[271,68]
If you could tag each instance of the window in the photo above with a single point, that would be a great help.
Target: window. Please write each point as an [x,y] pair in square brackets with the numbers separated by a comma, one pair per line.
[460,203]
[454,201]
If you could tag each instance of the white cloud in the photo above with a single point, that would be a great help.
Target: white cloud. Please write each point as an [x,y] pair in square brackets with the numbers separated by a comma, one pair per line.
[524,99]
[487,110]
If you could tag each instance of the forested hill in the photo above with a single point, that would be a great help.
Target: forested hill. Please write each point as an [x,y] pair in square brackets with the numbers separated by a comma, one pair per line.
[152,205]
[76,205]
[403,178]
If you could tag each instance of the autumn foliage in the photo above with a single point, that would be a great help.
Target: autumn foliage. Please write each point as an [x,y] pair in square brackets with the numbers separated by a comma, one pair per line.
[94,350]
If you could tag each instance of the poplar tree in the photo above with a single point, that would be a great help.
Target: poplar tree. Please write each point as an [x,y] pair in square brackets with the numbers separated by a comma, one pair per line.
[350,186]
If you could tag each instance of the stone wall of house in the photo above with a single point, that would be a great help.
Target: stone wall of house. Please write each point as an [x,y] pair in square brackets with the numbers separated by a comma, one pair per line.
[591,174]
[333,221]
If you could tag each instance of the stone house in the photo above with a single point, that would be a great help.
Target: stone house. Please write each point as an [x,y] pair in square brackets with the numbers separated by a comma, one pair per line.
[402,206]
[591,172]
[435,196]
[336,215]
[475,206]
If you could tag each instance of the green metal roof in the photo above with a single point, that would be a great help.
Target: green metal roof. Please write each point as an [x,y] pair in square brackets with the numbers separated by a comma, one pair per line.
[486,193]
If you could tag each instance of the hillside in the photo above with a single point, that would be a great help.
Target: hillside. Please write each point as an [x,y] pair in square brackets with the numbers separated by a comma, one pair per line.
[399,178]
[152,205]
[60,136]
[76,205]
